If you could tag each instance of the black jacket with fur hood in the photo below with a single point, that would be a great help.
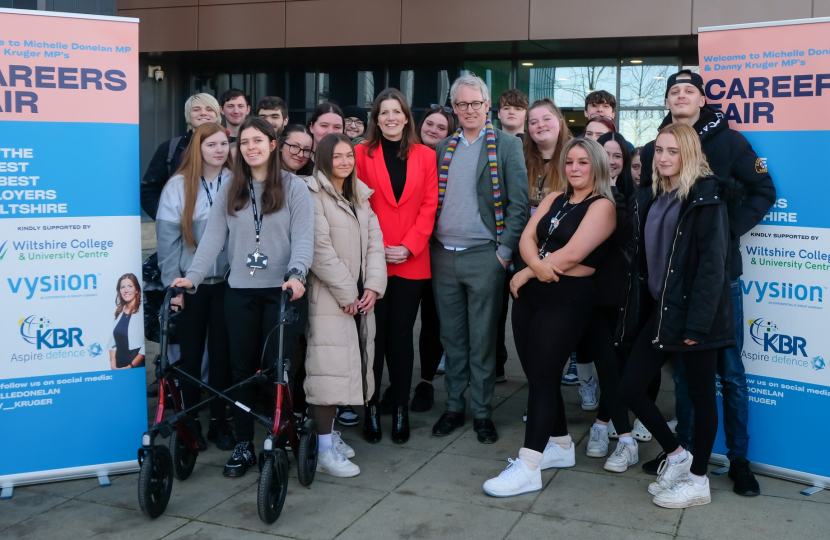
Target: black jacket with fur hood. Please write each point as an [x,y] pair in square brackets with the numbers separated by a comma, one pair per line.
[731,159]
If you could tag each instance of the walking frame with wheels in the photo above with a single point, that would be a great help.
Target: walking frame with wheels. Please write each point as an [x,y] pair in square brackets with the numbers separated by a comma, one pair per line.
[159,464]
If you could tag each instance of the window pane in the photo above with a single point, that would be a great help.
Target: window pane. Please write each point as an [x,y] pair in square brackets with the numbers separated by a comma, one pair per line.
[640,127]
[644,86]
[566,84]
[423,85]
[495,74]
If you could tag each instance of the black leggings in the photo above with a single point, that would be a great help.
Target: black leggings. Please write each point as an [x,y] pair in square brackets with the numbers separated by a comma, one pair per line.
[597,346]
[549,319]
[644,363]
[429,342]
[203,318]
[251,314]
[395,316]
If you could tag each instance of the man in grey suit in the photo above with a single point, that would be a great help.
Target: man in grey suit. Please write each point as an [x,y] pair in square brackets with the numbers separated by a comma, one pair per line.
[482,211]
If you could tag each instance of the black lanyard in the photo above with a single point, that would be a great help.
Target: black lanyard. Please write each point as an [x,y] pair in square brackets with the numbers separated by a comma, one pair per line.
[218,185]
[257,217]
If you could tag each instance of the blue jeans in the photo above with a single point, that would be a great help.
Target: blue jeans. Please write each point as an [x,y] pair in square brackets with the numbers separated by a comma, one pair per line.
[733,389]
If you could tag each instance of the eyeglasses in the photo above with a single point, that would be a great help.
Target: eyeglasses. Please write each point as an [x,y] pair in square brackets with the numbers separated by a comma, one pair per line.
[597,116]
[296,150]
[444,108]
[350,121]
[462,106]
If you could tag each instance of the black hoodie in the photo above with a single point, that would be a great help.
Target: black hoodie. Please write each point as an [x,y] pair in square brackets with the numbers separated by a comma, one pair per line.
[732,160]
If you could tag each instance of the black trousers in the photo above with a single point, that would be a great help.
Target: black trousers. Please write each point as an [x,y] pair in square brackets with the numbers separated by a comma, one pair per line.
[395,316]
[203,318]
[429,341]
[597,346]
[501,348]
[644,363]
[251,315]
[549,319]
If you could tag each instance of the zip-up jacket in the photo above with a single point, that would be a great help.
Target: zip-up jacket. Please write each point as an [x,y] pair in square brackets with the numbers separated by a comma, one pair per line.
[695,302]
[733,160]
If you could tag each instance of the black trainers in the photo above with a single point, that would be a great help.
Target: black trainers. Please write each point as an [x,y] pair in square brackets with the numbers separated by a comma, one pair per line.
[241,458]
[346,416]
[650,467]
[220,433]
[741,474]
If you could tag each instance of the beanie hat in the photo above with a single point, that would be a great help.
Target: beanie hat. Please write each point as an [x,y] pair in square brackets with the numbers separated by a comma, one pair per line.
[688,77]
[354,111]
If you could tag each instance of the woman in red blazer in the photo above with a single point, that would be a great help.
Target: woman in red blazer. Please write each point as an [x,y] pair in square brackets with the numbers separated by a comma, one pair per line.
[404,176]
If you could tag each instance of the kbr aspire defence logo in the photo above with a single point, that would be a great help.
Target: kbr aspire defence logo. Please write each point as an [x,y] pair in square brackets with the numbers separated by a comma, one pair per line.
[766,334]
[37,330]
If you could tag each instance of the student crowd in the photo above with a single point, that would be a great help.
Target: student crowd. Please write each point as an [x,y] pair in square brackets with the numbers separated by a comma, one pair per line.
[616,259]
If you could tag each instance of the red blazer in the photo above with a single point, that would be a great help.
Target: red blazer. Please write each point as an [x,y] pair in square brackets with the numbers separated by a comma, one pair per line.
[407,222]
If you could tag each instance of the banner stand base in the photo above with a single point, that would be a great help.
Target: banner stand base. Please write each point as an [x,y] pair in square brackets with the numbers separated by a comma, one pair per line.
[104,480]
[6,493]
[722,470]
[811,491]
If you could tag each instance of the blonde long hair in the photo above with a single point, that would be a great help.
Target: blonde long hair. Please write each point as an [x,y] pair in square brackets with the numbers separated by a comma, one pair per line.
[693,164]
[533,157]
[600,170]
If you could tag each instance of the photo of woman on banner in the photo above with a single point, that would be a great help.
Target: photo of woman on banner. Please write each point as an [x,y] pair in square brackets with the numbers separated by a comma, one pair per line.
[126,344]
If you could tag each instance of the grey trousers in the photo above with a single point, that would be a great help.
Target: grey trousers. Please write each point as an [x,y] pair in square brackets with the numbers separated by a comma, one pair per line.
[468,294]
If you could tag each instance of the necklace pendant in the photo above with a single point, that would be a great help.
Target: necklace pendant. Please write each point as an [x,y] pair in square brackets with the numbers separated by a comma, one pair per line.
[554,223]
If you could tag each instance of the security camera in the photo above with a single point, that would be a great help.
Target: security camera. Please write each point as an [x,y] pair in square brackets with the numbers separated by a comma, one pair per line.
[158,75]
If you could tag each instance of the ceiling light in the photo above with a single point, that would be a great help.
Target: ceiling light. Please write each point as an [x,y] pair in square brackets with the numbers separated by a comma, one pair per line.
[636,61]
[563,79]
[527,63]
[571,120]
[659,77]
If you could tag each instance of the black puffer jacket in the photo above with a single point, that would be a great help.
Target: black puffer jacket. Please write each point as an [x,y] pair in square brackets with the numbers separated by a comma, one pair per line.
[732,159]
[696,302]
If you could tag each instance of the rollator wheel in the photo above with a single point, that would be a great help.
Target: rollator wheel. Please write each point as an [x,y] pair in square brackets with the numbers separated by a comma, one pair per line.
[273,486]
[307,454]
[184,459]
[155,482]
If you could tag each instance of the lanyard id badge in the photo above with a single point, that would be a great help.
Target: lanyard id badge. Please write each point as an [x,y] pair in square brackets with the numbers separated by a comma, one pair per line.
[207,189]
[256,260]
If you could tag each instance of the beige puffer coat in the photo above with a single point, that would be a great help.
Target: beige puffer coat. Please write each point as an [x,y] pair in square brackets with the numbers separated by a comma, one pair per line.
[336,371]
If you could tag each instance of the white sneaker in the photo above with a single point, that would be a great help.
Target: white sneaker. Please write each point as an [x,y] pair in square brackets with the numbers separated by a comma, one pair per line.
[342,447]
[669,473]
[685,493]
[516,479]
[334,463]
[597,443]
[640,432]
[556,457]
[588,391]
[612,431]
[442,365]
[623,457]
[673,425]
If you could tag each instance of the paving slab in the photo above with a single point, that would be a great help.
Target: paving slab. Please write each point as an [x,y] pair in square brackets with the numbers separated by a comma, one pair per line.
[206,531]
[205,488]
[78,519]
[731,516]
[24,504]
[68,488]
[511,435]
[401,516]
[460,478]
[597,498]
[553,528]
[319,512]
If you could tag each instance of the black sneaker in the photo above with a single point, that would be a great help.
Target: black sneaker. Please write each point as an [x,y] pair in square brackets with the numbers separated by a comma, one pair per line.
[346,416]
[741,474]
[241,458]
[220,433]
[650,467]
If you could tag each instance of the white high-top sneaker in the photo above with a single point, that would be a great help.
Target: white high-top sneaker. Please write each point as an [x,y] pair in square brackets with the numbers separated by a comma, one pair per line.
[334,463]
[556,457]
[669,473]
[597,443]
[685,493]
[624,456]
[516,479]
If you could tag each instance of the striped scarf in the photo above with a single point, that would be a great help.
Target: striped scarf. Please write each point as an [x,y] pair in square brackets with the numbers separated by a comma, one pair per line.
[443,174]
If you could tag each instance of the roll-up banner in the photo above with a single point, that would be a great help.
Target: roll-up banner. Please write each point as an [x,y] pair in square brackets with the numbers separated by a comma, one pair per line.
[773,82]
[72,377]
